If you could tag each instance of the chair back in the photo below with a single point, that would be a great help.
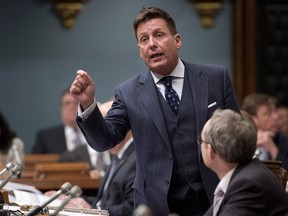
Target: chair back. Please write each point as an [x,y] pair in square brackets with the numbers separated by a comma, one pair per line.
[278,170]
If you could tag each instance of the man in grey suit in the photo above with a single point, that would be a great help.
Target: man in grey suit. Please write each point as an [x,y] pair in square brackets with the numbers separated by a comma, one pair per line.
[247,186]
[115,193]
[60,138]
[171,176]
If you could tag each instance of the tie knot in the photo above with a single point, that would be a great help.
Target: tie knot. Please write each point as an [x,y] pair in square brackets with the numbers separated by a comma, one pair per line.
[167,81]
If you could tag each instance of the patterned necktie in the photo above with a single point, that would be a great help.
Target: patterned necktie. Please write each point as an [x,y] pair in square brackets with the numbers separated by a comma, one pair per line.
[114,164]
[170,94]
[218,196]
[100,162]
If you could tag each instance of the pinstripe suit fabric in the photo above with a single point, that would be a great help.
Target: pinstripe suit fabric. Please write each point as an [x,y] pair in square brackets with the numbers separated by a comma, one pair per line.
[137,107]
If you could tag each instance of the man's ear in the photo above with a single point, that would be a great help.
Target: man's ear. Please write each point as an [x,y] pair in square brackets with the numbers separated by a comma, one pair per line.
[211,152]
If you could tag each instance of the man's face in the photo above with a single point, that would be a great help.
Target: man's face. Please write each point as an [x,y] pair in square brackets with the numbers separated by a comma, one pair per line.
[158,46]
[266,118]
[69,110]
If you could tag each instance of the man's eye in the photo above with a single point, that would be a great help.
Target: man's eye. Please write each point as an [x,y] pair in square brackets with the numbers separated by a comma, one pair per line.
[143,40]
[159,35]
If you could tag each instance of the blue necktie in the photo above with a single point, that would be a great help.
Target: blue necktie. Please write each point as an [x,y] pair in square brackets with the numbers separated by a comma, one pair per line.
[170,94]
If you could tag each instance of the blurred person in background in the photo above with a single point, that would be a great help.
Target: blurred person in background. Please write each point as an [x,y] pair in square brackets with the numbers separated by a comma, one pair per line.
[11,146]
[67,137]
[271,144]
[282,112]
[115,192]
[63,137]
[84,153]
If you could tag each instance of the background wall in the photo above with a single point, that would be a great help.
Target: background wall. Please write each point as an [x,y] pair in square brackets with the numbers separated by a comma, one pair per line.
[39,58]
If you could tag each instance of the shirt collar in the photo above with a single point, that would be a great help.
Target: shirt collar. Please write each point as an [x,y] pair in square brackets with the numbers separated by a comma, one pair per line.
[177,72]
[226,180]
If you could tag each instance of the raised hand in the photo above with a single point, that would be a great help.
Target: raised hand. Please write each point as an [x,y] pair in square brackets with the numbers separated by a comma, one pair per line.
[83,89]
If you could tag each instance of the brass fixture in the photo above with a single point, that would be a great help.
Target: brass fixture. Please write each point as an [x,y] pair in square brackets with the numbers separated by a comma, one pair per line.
[207,10]
[68,10]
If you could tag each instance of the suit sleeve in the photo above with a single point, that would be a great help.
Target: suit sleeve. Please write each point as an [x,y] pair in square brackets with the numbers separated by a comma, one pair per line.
[38,146]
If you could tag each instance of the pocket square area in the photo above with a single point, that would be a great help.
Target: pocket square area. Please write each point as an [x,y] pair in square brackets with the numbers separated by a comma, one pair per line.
[212,104]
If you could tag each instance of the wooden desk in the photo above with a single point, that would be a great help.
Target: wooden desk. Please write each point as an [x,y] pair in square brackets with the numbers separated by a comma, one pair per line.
[46,176]
[31,160]
[89,186]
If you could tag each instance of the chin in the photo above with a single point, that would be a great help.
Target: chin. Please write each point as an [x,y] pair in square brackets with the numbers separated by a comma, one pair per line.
[158,67]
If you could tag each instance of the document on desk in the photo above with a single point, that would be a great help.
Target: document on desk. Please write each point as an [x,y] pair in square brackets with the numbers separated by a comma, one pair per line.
[10,186]
[82,212]
[28,198]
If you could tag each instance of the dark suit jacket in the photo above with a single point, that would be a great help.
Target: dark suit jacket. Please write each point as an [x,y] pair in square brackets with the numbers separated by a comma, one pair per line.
[255,191]
[138,108]
[281,140]
[50,140]
[118,199]
[79,154]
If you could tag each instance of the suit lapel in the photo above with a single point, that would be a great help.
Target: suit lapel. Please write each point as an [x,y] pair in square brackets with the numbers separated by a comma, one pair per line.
[149,97]
[199,87]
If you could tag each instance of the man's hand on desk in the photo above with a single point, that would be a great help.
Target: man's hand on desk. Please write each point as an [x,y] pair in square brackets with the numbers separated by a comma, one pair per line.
[52,192]
[96,174]
[75,203]
[78,203]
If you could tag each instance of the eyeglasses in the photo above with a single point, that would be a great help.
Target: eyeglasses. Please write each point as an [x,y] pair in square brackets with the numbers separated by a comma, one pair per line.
[200,141]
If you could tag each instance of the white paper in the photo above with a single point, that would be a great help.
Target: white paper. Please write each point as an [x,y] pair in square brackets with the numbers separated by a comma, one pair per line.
[10,186]
[28,198]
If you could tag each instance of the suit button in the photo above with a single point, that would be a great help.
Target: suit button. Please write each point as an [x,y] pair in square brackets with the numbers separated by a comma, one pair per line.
[170,157]
[166,182]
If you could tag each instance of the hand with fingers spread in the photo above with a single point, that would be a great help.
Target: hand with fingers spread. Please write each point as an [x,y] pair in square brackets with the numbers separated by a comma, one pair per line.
[83,89]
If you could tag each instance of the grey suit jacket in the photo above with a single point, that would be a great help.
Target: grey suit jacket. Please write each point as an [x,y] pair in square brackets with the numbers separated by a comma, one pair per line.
[255,191]
[118,199]
[137,107]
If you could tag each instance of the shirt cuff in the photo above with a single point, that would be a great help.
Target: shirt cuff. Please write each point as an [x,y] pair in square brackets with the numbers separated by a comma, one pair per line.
[84,115]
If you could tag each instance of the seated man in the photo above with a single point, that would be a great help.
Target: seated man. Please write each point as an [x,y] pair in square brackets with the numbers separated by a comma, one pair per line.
[282,112]
[247,186]
[65,136]
[115,193]
[67,139]
[271,145]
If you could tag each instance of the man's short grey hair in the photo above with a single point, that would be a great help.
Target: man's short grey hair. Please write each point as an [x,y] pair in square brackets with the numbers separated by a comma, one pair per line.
[232,135]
